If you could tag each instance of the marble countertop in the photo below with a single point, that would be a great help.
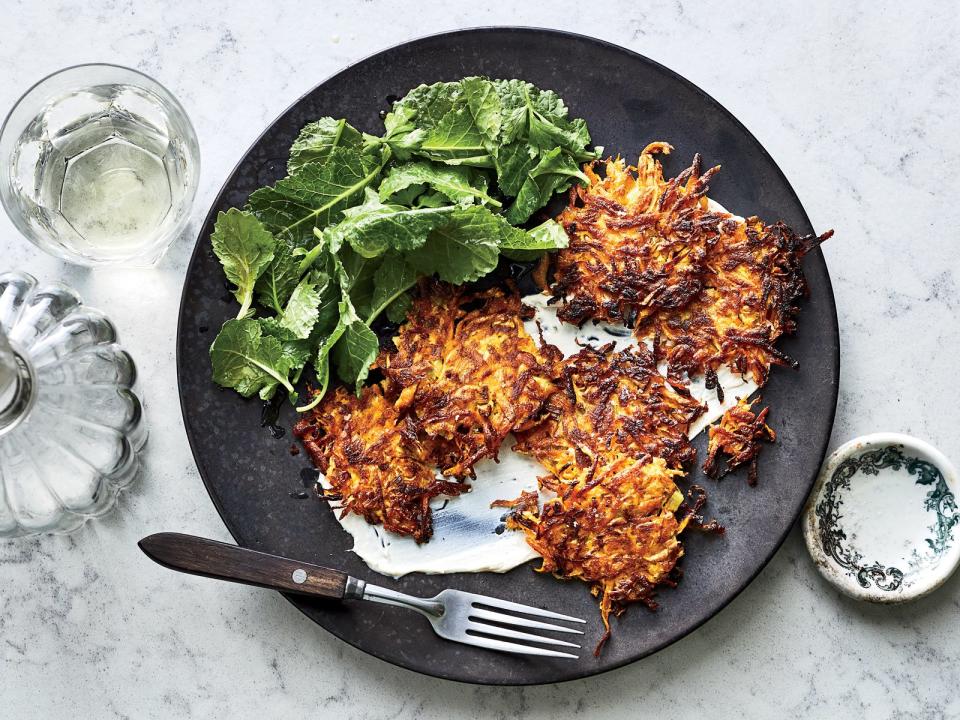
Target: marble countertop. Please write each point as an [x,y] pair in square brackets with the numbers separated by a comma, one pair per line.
[858,105]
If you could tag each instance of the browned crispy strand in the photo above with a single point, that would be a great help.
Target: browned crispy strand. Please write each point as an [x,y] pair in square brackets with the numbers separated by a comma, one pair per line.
[738,436]
[374,461]
[467,373]
[638,243]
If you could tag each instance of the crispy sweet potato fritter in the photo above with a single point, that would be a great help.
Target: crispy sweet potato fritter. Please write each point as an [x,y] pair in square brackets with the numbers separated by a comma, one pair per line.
[613,441]
[464,374]
[638,242]
[738,436]
[709,289]
[615,529]
[374,461]
[749,299]
[467,373]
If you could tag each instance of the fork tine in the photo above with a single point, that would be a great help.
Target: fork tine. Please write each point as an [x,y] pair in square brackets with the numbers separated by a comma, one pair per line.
[511,647]
[498,604]
[481,614]
[517,635]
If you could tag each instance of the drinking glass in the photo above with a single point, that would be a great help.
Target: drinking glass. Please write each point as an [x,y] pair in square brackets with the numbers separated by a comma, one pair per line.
[99,165]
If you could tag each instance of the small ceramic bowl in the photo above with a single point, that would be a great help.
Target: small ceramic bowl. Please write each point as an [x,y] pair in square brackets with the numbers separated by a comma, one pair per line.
[882,523]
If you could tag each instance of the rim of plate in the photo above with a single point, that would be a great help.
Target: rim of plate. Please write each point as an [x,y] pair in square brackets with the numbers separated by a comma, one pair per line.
[922,583]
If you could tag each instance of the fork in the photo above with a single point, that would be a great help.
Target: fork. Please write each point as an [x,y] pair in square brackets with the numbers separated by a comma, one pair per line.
[455,615]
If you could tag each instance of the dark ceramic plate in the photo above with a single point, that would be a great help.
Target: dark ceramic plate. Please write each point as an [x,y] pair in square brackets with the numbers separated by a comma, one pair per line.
[628,100]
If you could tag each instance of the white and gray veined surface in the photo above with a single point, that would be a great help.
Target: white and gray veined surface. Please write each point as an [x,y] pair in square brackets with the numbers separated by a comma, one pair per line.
[858,103]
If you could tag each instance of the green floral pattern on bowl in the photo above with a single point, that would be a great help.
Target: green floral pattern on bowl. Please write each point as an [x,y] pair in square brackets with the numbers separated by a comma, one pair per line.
[881,523]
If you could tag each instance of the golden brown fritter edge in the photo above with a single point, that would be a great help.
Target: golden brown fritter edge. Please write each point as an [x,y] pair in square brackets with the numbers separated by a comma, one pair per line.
[374,461]
[638,243]
[738,436]
[749,300]
[616,529]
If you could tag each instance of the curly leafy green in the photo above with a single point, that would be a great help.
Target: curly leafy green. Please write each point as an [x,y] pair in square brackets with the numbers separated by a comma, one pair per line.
[424,106]
[391,280]
[279,278]
[457,184]
[297,350]
[302,310]
[355,351]
[322,360]
[316,195]
[246,360]
[244,248]
[396,311]
[540,118]
[359,219]
[318,139]
[485,106]
[458,253]
[469,123]
[548,235]
[456,140]
[555,172]
[373,228]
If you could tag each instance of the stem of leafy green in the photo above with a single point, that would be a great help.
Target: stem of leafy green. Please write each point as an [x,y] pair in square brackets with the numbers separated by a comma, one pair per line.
[376,311]
[311,257]
[247,302]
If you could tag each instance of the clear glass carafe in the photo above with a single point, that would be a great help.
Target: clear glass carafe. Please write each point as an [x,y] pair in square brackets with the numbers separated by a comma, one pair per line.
[71,426]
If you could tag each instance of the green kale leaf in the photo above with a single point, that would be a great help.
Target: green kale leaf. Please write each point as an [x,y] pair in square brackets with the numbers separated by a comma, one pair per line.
[303,308]
[392,279]
[373,227]
[318,139]
[484,103]
[457,184]
[456,140]
[316,195]
[396,311]
[355,352]
[244,248]
[279,278]
[465,247]
[245,359]
[555,172]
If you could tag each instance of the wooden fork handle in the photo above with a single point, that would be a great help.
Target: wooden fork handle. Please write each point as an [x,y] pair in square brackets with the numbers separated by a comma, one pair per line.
[209,558]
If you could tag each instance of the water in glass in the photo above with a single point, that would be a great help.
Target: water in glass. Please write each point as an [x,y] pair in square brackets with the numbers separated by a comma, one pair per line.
[101,165]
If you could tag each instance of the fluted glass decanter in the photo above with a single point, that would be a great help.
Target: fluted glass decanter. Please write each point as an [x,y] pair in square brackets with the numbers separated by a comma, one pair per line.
[71,427]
